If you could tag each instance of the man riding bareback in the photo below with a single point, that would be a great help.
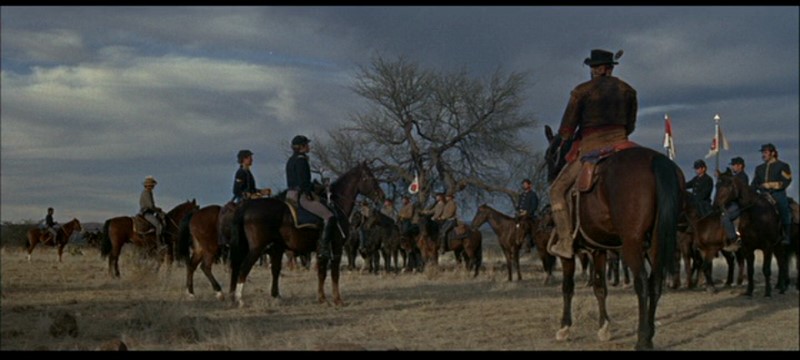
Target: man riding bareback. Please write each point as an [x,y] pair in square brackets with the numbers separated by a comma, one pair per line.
[601,112]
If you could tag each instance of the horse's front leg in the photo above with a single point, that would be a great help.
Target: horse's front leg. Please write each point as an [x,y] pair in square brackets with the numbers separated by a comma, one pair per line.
[640,284]
[708,261]
[567,291]
[322,273]
[335,263]
[766,269]
[516,261]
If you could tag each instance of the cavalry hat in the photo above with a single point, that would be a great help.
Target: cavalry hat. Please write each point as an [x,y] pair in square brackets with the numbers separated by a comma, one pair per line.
[699,163]
[300,140]
[737,160]
[768,146]
[149,180]
[526,180]
[601,57]
[243,154]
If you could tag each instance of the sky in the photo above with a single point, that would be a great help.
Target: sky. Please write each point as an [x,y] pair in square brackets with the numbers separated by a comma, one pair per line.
[94,99]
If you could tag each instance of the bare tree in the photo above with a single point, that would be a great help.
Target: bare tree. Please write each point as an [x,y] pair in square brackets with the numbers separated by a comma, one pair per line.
[455,132]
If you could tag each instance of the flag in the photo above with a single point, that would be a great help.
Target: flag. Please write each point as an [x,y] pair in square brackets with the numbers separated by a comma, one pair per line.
[715,142]
[668,143]
[414,187]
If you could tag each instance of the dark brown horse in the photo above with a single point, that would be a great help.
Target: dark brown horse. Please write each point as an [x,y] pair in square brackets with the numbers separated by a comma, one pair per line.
[467,248]
[759,227]
[707,238]
[542,227]
[119,230]
[266,224]
[633,207]
[199,232]
[509,235]
[37,235]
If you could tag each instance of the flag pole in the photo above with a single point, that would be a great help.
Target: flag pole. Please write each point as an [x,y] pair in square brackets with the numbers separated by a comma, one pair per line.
[716,128]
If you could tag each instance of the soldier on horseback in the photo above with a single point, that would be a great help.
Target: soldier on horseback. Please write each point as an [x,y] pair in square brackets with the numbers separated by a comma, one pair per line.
[733,210]
[148,209]
[301,190]
[405,216]
[773,177]
[50,226]
[601,112]
[447,220]
[702,185]
[244,184]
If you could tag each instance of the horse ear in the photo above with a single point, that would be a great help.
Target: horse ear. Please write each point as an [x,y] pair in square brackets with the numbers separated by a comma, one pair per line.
[548,132]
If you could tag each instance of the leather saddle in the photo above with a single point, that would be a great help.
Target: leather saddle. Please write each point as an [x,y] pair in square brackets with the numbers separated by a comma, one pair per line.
[141,226]
[589,162]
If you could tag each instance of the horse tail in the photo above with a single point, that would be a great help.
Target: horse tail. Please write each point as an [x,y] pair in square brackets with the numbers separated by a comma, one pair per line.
[105,242]
[669,205]
[184,238]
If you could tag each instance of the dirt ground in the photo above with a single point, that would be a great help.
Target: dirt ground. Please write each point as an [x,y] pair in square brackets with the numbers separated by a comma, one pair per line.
[75,305]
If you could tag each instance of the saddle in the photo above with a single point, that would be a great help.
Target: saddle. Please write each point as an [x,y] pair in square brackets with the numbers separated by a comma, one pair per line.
[588,174]
[302,218]
[141,226]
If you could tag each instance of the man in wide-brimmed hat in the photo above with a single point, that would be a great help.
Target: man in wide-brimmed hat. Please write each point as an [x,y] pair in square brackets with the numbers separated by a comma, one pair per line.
[600,113]
[773,177]
[148,208]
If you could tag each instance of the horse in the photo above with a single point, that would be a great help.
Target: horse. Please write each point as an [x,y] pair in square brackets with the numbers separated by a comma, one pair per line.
[267,224]
[633,206]
[119,230]
[759,227]
[199,233]
[706,239]
[37,235]
[541,229]
[470,247]
[509,235]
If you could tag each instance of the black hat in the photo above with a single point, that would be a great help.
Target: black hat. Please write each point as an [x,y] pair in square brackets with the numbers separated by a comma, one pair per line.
[527,181]
[243,154]
[737,160]
[601,57]
[768,146]
[699,163]
[300,140]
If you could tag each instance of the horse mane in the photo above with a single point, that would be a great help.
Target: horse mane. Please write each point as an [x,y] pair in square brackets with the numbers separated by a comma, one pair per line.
[498,212]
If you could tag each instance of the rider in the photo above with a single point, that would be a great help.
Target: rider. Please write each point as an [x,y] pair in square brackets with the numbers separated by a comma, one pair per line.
[366,214]
[244,184]
[148,208]
[732,211]
[601,112]
[447,219]
[49,225]
[773,176]
[300,189]
[406,215]
[701,186]
[528,202]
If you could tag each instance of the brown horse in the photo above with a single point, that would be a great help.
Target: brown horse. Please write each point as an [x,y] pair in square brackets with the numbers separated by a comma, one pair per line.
[469,248]
[266,224]
[759,227]
[119,230]
[634,207]
[707,238]
[509,235]
[199,232]
[542,227]
[37,235]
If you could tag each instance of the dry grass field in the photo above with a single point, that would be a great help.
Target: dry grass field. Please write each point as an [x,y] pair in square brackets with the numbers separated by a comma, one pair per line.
[75,305]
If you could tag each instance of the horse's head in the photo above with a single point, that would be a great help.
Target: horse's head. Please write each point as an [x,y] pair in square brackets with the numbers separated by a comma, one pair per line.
[555,155]
[76,225]
[481,216]
[728,189]
[367,184]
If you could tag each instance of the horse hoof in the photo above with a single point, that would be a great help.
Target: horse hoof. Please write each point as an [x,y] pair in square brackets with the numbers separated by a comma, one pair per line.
[190,296]
[604,334]
[220,296]
[562,334]
[339,303]
[711,290]
[239,304]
